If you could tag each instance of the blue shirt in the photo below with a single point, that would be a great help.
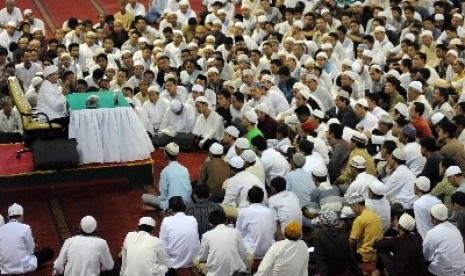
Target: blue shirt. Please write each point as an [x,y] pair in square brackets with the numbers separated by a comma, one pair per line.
[174,181]
[301,183]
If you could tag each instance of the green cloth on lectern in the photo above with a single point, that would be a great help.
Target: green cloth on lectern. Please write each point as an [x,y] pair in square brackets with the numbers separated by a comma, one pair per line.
[77,101]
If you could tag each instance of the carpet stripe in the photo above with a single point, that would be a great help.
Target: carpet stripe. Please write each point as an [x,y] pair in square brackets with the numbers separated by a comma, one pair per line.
[46,17]
[61,224]
[98,6]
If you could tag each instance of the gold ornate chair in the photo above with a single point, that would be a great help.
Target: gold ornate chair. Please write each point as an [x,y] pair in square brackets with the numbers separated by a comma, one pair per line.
[32,130]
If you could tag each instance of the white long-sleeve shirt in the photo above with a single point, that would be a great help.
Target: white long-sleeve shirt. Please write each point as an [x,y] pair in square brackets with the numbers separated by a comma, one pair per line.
[180,236]
[83,256]
[257,226]
[183,122]
[422,210]
[237,188]
[209,128]
[156,111]
[50,101]
[17,248]
[285,257]
[224,251]
[286,207]
[144,254]
[274,163]
[12,123]
[443,247]
[399,186]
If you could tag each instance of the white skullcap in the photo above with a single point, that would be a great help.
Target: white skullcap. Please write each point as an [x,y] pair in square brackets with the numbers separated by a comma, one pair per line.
[356,68]
[357,3]
[427,33]
[362,102]
[376,66]
[15,210]
[247,72]
[239,25]
[344,94]
[322,55]
[197,88]
[355,198]
[298,85]
[399,154]
[139,62]
[382,14]
[184,3]
[143,39]
[36,80]
[455,41]
[407,222]
[440,212]
[333,121]
[161,41]
[323,11]
[453,52]
[27,12]
[423,183]
[178,32]
[305,92]
[311,77]
[377,187]
[172,149]
[213,70]
[268,78]
[221,11]
[326,46]
[251,116]
[88,224]
[192,44]
[298,24]
[242,57]
[242,143]
[437,117]
[358,162]
[216,149]
[209,47]
[202,99]
[402,109]
[215,22]
[458,15]
[91,34]
[318,113]
[410,37]
[380,29]
[386,119]
[368,53]
[320,170]
[262,19]
[249,156]
[48,70]
[176,106]
[347,212]
[309,61]
[232,130]
[153,88]
[11,24]
[263,108]
[453,170]
[347,62]
[236,162]
[439,17]
[417,86]
[147,221]
[229,83]
[393,73]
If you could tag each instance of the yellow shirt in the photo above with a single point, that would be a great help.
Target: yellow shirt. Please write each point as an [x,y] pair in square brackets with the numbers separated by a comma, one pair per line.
[127,19]
[366,228]
[370,165]
[430,52]
[457,77]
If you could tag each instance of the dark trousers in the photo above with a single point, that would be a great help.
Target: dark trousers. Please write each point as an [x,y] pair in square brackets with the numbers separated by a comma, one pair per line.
[385,260]
[64,122]
[206,145]
[43,255]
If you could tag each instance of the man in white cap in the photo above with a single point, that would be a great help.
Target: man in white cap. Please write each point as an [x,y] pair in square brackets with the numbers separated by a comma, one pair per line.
[415,94]
[368,120]
[378,203]
[455,176]
[17,253]
[50,101]
[237,186]
[443,245]
[366,229]
[174,181]
[253,164]
[209,127]
[422,206]
[399,180]
[401,255]
[33,21]
[229,139]
[144,253]
[177,125]
[84,254]
[361,178]
[381,45]
[214,171]
[325,196]
[175,47]
[250,121]
[429,48]
[155,107]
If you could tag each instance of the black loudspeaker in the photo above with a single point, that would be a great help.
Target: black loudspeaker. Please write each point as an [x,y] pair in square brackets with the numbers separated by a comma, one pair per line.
[55,154]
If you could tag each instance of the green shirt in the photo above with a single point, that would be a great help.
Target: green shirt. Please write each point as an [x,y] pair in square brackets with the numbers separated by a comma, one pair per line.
[254,132]
[444,191]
